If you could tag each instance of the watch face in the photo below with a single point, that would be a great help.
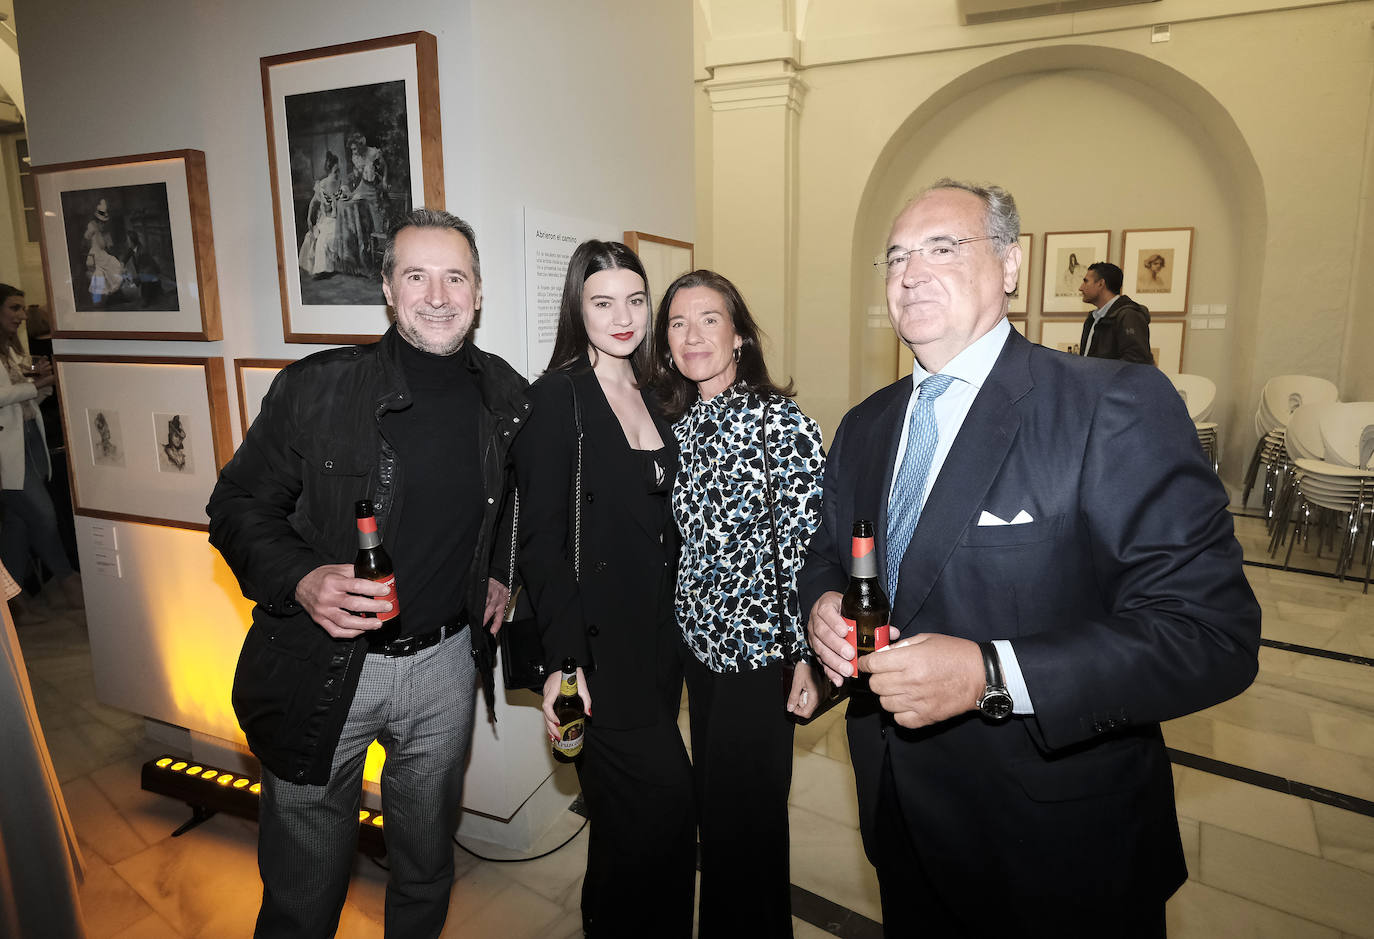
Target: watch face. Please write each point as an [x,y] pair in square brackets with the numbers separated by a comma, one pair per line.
[996,704]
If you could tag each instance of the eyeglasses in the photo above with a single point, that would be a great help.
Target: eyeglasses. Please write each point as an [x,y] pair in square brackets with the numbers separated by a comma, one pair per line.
[936,251]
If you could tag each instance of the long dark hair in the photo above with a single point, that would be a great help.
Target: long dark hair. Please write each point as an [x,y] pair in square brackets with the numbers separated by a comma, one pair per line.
[9,343]
[678,393]
[572,342]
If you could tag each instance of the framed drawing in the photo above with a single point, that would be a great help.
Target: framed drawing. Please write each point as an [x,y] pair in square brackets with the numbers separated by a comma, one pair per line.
[146,436]
[1021,294]
[1019,323]
[128,252]
[252,378]
[1155,266]
[1166,344]
[1064,335]
[1067,256]
[665,259]
[353,143]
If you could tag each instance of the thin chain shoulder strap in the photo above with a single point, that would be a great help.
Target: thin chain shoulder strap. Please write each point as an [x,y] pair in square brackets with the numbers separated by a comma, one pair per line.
[577,483]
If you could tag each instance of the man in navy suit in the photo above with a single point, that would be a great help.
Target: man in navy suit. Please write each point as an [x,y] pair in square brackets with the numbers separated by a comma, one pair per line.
[1064,576]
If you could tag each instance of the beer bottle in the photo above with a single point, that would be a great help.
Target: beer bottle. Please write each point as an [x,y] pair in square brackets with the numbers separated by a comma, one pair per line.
[373,563]
[864,606]
[572,716]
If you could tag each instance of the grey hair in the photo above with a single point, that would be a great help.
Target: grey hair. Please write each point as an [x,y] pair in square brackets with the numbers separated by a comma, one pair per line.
[429,218]
[1002,223]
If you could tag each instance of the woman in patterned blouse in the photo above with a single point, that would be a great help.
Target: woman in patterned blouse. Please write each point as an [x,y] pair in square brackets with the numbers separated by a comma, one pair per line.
[729,482]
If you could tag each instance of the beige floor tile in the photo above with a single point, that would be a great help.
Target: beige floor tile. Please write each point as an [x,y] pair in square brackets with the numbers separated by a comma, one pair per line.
[109,904]
[1192,733]
[1251,810]
[150,927]
[1293,759]
[567,927]
[98,824]
[837,742]
[828,859]
[1201,912]
[1307,887]
[809,735]
[485,903]
[1346,837]
[804,930]
[1267,708]
[152,816]
[825,787]
[1302,634]
[1188,834]
[1349,733]
[558,877]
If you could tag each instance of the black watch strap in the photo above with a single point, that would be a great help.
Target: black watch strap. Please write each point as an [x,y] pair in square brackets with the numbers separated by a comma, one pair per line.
[995,702]
[992,665]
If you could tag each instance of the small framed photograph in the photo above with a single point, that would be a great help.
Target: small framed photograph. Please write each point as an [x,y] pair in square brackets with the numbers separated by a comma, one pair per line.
[665,260]
[146,436]
[1155,267]
[353,143]
[1064,335]
[1067,256]
[1021,294]
[128,251]
[252,378]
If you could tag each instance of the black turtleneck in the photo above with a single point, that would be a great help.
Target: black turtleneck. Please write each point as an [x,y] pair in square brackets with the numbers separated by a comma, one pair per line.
[439,475]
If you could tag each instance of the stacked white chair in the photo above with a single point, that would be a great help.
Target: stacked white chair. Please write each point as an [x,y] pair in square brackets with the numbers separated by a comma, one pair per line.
[1345,430]
[1281,396]
[1199,394]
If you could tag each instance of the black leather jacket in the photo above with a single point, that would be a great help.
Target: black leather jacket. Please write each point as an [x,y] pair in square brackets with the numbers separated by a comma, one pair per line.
[283,506]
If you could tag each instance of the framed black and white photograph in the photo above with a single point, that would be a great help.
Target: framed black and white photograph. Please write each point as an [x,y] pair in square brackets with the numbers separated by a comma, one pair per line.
[252,378]
[1155,267]
[353,143]
[128,250]
[1020,295]
[1067,257]
[146,436]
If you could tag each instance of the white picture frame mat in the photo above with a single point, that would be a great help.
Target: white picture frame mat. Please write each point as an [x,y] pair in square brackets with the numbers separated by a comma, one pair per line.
[1165,335]
[340,71]
[65,315]
[257,379]
[137,391]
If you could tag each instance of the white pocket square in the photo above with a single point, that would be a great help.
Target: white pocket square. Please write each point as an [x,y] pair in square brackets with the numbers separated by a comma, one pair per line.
[987,518]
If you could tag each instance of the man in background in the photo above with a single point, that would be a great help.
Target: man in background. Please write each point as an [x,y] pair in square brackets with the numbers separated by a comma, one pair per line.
[1119,328]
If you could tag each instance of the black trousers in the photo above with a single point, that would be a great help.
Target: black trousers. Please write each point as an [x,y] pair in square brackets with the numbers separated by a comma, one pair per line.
[912,907]
[641,852]
[742,764]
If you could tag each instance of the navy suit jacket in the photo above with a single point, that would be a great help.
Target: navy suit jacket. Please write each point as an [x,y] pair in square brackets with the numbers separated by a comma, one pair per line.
[1124,599]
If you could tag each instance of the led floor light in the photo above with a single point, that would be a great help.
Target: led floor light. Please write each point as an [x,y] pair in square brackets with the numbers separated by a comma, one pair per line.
[208,790]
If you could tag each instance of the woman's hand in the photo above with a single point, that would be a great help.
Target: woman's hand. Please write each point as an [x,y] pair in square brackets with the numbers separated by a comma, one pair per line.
[551,685]
[805,694]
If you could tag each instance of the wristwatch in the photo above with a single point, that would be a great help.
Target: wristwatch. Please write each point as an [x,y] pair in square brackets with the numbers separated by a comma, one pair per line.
[996,700]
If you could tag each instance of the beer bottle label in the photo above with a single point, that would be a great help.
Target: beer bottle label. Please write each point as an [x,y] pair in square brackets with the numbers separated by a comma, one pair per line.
[567,687]
[851,636]
[389,582]
[569,742]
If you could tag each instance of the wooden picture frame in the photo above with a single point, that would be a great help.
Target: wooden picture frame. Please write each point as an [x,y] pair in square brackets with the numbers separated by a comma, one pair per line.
[664,259]
[252,378]
[128,248]
[1067,256]
[1156,266]
[1062,334]
[1020,324]
[1020,297]
[353,143]
[1166,340]
[116,412]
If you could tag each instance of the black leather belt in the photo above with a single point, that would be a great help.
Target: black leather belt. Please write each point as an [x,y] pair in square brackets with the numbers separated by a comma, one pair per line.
[409,645]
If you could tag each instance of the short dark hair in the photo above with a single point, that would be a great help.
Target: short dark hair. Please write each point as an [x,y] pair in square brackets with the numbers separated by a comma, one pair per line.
[1110,274]
[677,392]
[572,342]
[429,218]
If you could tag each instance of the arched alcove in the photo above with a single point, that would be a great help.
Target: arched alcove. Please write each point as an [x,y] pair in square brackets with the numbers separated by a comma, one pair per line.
[1087,138]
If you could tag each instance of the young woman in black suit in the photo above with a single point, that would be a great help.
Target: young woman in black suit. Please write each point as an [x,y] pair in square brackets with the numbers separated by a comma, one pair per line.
[615,615]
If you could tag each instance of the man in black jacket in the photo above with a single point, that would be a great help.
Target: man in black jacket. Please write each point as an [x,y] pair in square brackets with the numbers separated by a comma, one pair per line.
[1118,327]
[420,423]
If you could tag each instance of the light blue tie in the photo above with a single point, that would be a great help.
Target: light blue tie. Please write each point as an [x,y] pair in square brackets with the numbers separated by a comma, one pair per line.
[909,494]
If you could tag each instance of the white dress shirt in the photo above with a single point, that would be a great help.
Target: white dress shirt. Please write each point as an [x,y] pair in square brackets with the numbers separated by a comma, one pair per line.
[970,369]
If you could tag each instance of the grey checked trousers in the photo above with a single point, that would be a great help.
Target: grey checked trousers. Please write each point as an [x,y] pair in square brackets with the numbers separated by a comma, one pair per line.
[420,708]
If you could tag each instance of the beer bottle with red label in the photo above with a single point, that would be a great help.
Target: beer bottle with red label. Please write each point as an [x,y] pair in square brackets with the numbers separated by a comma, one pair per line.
[864,606]
[373,563]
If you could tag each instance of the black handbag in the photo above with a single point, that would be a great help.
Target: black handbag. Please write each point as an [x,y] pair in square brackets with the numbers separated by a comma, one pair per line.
[522,644]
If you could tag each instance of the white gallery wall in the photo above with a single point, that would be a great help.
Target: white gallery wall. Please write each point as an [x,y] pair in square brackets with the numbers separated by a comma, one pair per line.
[578,109]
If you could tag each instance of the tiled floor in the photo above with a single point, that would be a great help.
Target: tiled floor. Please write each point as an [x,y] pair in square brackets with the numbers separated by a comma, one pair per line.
[1262,863]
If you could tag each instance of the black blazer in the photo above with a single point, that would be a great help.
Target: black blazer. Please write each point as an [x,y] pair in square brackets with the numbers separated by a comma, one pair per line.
[618,620]
[1125,602]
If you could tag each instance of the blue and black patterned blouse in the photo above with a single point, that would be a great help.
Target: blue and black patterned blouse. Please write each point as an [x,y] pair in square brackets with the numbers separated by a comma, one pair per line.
[726,588]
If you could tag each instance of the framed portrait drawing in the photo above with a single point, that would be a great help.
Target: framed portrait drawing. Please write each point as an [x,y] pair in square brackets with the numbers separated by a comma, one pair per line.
[252,378]
[665,260]
[1067,256]
[128,251]
[1021,294]
[1064,335]
[1155,266]
[146,436]
[353,143]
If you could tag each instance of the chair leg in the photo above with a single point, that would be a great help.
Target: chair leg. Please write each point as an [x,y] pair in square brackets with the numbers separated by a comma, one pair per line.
[1252,471]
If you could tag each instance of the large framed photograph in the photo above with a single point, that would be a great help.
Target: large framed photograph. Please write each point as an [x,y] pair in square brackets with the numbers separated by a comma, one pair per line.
[146,436]
[1020,295]
[353,143]
[1166,340]
[664,259]
[128,251]
[252,378]
[1155,266]
[1067,257]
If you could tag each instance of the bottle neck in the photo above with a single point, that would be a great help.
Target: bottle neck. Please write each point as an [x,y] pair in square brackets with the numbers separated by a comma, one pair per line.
[368,536]
[865,559]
